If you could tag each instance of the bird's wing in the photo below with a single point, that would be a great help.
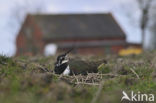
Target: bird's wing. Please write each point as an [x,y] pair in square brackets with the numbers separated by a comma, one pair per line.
[81,66]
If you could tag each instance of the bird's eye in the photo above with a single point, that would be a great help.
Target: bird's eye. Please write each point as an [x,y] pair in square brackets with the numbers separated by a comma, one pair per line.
[61,58]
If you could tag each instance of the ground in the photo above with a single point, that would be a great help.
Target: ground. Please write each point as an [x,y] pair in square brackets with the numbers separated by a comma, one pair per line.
[31,80]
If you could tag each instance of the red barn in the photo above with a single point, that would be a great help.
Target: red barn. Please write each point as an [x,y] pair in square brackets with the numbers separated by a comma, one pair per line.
[88,33]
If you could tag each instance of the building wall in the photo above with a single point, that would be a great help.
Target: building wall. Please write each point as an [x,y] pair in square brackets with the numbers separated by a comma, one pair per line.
[29,40]
[38,42]
[94,50]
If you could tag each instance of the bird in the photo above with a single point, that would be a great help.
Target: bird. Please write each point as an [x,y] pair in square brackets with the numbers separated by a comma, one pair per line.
[75,66]
[62,64]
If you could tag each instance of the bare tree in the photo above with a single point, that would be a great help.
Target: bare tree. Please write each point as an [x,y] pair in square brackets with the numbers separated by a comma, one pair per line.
[152,26]
[145,8]
[19,10]
[153,36]
[24,7]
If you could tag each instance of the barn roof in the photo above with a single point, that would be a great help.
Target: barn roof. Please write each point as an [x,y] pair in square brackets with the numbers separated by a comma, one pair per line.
[78,26]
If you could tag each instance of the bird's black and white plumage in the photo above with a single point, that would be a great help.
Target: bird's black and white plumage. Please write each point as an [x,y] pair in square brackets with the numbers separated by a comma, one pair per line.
[62,64]
[76,66]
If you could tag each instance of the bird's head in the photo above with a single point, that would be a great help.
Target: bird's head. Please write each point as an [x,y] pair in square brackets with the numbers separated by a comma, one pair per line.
[63,58]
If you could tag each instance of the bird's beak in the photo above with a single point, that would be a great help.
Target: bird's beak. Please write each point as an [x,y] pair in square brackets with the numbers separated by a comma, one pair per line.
[68,51]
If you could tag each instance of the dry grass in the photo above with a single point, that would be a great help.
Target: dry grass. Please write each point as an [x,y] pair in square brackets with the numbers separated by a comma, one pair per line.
[31,80]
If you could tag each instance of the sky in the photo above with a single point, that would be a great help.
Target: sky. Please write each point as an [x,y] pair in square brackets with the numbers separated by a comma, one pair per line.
[13,12]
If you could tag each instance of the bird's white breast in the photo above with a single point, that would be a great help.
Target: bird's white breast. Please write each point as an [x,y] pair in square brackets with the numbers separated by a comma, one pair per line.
[66,71]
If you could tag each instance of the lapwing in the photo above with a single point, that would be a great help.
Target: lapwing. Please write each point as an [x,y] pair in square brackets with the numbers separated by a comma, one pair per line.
[62,64]
[67,66]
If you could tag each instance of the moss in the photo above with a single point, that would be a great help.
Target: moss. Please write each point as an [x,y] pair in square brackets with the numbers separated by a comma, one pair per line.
[25,80]
[104,68]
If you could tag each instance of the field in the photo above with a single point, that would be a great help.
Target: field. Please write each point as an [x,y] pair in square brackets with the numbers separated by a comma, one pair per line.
[31,80]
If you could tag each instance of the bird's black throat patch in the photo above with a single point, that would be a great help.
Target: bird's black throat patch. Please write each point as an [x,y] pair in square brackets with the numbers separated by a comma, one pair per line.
[60,69]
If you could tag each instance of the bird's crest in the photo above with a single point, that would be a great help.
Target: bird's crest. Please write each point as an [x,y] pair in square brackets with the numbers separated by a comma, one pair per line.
[69,51]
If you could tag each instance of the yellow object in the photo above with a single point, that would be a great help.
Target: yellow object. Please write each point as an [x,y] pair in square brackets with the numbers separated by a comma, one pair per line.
[130,51]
